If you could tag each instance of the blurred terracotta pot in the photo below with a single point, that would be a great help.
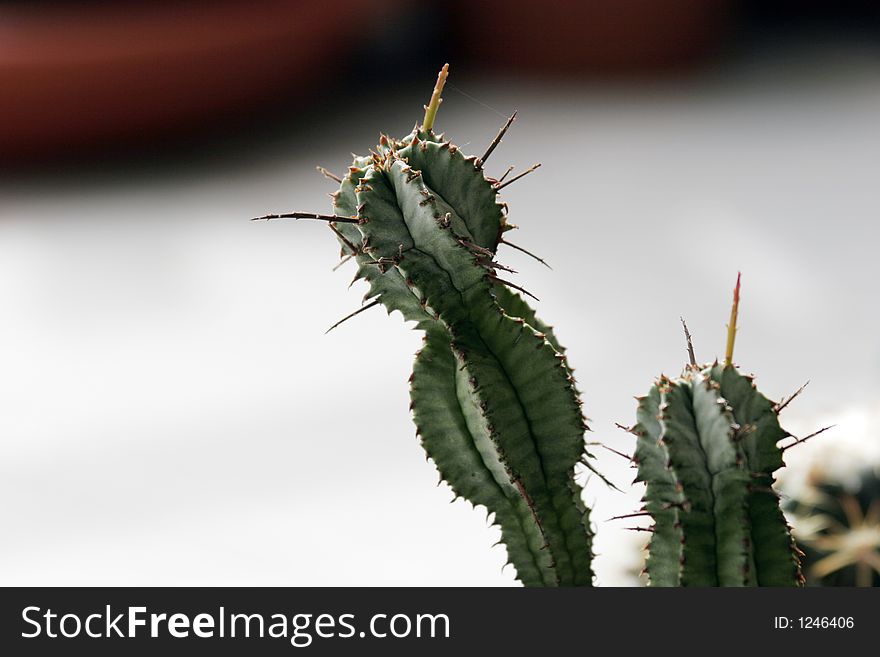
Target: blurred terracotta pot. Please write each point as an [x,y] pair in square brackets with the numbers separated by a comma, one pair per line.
[592,37]
[76,77]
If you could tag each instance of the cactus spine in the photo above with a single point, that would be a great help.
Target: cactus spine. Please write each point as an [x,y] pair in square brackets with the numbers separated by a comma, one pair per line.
[495,402]
[493,398]
[707,449]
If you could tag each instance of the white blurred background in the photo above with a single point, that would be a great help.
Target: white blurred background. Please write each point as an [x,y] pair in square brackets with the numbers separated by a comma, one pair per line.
[172,412]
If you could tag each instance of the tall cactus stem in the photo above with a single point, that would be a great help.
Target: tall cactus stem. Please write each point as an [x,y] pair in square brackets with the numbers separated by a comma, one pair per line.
[494,400]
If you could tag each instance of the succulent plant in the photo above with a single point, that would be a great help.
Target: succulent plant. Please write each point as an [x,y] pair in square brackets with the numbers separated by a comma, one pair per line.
[493,396]
[495,402]
[707,448]
[838,527]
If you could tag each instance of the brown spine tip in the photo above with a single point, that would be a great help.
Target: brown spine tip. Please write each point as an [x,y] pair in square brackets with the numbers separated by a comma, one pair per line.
[497,140]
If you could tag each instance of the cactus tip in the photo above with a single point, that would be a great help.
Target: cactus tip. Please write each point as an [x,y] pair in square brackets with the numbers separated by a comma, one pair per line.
[731,326]
[434,104]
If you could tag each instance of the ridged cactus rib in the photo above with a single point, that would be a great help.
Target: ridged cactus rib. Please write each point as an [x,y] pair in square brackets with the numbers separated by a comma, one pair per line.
[664,500]
[707,449]
[493,398]
[455,179]
[468,460]
[773,551]
[386,283]
[515,306]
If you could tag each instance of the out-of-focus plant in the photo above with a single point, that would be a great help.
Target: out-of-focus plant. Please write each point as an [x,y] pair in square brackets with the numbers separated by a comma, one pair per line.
[837,525]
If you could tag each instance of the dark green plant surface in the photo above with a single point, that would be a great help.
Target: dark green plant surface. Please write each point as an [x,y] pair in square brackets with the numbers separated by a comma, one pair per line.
[493,398]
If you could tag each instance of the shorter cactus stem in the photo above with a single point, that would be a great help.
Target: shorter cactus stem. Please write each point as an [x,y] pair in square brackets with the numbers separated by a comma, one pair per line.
[434,104]
[731,326]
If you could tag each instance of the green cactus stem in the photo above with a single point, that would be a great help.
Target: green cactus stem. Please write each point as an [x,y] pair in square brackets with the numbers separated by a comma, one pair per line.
[493,398]
[707,450]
